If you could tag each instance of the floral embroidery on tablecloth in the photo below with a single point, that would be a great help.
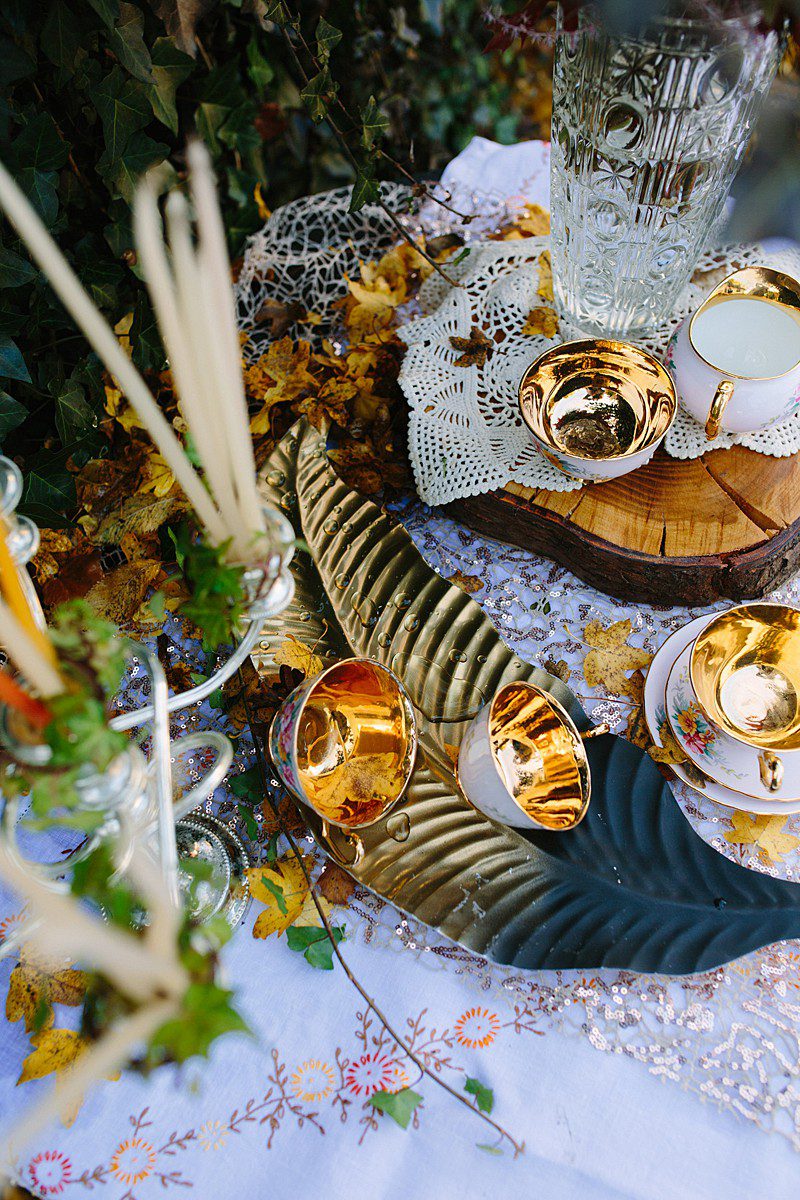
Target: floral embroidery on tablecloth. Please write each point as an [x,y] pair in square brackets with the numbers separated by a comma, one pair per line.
[477,1028]
[133,1160]
[369,1074]
[212,1135]
[49,1172]
[313,1080]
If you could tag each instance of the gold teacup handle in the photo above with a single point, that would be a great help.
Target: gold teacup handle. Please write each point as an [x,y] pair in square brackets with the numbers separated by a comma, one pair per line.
[351,839]
[770,768]
[596,731]
[721,397]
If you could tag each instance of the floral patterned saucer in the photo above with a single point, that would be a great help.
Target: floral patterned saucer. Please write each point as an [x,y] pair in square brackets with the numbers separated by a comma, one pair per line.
[725,759]
[655,713]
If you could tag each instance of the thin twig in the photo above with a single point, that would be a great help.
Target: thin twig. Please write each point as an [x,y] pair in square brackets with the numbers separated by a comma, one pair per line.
[518,1147]
[345,148]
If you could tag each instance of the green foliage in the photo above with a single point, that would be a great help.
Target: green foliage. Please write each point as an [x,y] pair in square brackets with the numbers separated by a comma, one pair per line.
[314,944]
[217,592]
[397,1105]
[92,662]
[96,91]
[484,1096]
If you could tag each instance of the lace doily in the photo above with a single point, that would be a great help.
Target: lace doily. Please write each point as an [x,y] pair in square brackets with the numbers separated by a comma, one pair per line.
[465,433]
[302,256]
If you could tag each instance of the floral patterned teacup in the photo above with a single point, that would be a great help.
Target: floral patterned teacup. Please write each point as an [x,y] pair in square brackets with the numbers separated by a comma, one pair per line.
[344,744]
[730,762]
[736,362]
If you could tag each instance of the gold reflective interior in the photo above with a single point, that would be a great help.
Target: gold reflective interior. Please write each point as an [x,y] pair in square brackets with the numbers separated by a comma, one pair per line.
[745,670]
[597,399]
[355,743]
[754,283]
[540,755]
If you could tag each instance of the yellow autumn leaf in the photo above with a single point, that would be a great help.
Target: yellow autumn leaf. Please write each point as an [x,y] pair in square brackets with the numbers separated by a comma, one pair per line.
[309,915]
[123,331]
[280,376]
[541,322]
[288,878]
[530,221]
[56,1049]
[35,986]
[545,288]
[670,752]
[157,476]
[468,583]
[117,407]
[292,653]
[764,832]
[611,658]
[264,211]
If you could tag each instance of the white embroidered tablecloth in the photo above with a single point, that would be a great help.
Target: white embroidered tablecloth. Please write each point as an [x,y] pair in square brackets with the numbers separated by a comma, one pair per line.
[620,1085]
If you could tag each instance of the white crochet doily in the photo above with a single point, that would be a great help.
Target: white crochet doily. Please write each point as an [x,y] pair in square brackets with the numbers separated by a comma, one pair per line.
[465,433]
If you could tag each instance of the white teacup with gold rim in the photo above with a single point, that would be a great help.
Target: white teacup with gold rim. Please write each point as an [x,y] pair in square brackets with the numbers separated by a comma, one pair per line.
[522,761]
[736,361]
[745,672]
[597,409]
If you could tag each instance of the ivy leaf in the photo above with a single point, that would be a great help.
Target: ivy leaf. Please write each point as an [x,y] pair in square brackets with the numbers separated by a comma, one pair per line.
[14,269]
[107,11]
[277,891]
[60,38]
[39,144]
[483,1095]
[366,190]
[15,63]
[40,188]
[314,944]
[12,414]
[318,93]
[12,364]
[73,414]
[206,1013]
[399,1106]
[127,42]
[140,153]
[247,785]
[328,37]
[275,10]
[148,352]
[49,490]
[373,124]
[170,68]
[123,107]
[250,823]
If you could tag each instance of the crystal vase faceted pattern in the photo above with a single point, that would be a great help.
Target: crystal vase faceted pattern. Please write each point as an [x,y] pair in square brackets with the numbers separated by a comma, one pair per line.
[647,136]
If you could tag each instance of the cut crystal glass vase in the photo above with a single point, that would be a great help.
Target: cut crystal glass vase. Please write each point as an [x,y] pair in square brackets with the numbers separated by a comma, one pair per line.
[647,135]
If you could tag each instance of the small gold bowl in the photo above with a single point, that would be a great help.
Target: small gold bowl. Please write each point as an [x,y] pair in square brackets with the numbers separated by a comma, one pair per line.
[597,409]
[522,761]
[745,671]
[344,742]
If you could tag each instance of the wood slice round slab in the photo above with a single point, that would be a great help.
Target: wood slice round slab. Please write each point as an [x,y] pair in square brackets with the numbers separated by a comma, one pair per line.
[724,526]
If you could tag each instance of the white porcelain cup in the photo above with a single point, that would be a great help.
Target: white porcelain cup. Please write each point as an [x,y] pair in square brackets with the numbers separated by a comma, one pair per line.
[736,361]
[522,761]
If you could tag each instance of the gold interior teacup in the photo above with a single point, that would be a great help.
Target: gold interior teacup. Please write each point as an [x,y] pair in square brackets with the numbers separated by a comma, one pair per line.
[522,761]
[745,671]
[597,409]
[344,743]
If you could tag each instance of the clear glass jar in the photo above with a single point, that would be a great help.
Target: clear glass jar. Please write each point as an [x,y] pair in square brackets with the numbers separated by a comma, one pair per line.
[647,136]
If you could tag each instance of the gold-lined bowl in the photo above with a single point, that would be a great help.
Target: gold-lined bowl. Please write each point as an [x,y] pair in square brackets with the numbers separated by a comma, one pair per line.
[522,761]
[597,409]
[745,672]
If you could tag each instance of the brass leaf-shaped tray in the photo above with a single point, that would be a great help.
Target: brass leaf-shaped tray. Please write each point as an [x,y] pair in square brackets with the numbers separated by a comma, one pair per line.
[633,886]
